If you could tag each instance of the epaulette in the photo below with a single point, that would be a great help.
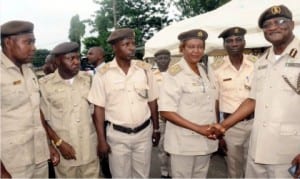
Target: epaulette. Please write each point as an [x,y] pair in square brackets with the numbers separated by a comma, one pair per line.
[265,54]
[104,69]
[46,78]
[217,64]
[252,58]
[174,69]
[156,72]
[142,64]
[84,74]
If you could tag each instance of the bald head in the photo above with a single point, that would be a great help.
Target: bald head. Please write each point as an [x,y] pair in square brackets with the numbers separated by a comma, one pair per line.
[95,56]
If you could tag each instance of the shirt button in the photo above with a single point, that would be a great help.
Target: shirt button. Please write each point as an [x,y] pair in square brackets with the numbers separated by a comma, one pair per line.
[266,106]
[74,105]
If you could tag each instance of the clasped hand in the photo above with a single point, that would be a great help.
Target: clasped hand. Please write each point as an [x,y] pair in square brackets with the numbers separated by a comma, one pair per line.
[212,131]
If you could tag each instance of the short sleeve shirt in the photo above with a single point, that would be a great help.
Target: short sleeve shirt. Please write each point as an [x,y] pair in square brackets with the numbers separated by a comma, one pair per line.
[23,138]
[67,111]
[125,97]
[276,127]
[233,85]
[192,97]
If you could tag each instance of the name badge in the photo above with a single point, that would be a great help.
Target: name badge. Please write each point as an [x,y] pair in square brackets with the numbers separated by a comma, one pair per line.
[227,79]
[297,65]
[262,67]
[17,82]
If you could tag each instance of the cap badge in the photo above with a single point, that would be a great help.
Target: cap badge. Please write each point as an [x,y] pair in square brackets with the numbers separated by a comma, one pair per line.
[200,34]
[236,30]
[276,10]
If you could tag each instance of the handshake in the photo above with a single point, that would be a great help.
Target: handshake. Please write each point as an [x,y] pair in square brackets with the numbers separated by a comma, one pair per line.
[213,131]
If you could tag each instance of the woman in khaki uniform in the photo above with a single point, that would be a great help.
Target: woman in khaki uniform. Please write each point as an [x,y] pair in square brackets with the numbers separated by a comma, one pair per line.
[187,101]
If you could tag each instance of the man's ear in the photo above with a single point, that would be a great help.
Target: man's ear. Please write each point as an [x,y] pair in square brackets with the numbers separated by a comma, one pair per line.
[57,60]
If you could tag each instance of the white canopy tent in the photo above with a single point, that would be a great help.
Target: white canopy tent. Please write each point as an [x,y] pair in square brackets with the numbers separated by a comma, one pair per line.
[243,13]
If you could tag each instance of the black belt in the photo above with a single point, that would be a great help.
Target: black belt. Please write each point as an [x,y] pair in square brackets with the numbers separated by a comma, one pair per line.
[247,118]
[128,130]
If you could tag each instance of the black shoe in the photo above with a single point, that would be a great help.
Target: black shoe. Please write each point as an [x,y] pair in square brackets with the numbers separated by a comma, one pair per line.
[163,176]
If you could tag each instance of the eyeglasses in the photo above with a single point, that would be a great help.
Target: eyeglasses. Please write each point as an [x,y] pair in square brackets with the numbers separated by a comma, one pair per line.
[278,22]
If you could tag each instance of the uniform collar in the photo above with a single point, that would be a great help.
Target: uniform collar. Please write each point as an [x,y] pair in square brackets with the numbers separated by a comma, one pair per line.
[183,63]
[100,65]
[293,45]
[244,62]
[7,62]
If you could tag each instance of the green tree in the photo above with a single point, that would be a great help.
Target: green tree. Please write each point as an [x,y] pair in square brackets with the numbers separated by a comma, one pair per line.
[77,29]
[144,16]
[39,57]
[190,8]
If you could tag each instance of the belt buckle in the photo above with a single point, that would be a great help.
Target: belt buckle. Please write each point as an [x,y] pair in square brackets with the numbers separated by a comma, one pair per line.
[129,130]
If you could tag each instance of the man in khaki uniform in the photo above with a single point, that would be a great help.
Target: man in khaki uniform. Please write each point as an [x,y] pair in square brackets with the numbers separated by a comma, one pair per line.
[232,76]
[50,64]
[67,113]
[95,57]
[162,59]
[124,93]
[275,96]
[24,148]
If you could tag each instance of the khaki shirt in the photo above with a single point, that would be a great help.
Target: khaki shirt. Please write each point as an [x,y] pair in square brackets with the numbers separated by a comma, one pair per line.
[193,98]
[158,76]
[67,111]
[276,130]
[233,85]
[23,138]
[124,96]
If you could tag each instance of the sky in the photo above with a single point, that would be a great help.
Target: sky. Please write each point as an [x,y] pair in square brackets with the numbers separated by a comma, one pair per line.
[51,18]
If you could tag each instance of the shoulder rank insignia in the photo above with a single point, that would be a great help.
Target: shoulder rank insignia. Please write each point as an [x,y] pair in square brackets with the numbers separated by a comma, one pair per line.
[217,64]
[143,65]
[251,58]
[293,52]
[104,69]
[173,70]
[44,79]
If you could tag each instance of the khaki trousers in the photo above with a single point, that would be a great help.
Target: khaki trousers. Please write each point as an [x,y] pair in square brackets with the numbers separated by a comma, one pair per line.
[195,166]
[30,171]
[89,170]
[237,141]
[256,170]
[164,158]
[130,155]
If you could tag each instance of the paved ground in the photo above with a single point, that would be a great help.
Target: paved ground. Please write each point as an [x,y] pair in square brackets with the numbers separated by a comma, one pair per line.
[217,167]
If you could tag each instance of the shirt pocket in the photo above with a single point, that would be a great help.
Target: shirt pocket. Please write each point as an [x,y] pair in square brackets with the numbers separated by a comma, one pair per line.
[289,139]
[191,94]
[141,90]
[289,129]
[290,79]
[260,79]
[84,90]
[227,85]
[17,147]
[115,93]
[13,95]
[57,98]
